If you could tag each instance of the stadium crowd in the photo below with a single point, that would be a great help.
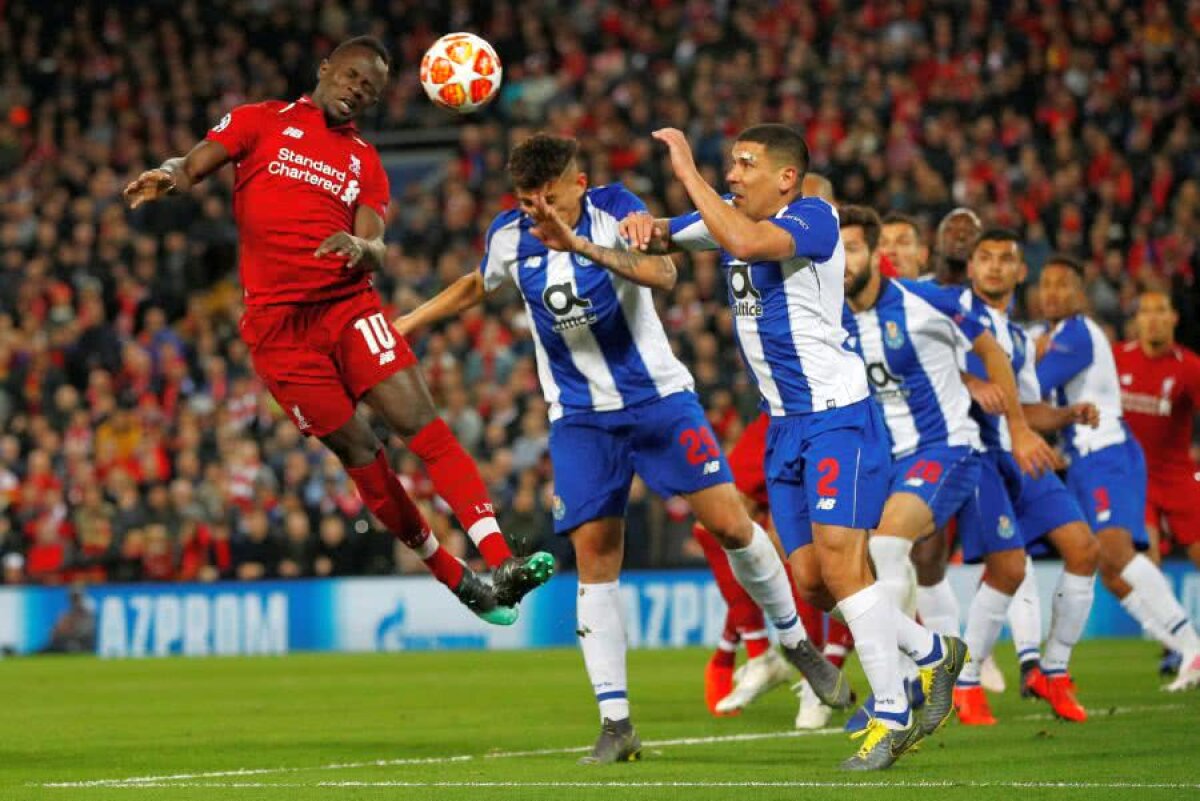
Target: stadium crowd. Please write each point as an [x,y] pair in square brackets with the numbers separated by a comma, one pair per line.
[135,442]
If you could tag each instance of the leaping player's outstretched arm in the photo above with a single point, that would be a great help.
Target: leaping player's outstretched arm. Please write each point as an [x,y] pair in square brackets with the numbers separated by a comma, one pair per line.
[645,269]
[452,301]
[177,174]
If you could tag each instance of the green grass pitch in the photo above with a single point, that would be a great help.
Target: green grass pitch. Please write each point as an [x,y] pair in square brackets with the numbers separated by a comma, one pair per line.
[445,726]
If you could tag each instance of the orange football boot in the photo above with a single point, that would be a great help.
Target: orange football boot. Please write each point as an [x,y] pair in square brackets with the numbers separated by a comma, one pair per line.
[718,683]
[972,706]
[1061,695]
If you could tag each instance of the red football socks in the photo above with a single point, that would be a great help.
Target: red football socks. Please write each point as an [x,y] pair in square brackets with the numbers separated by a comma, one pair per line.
[839,642]
[384,495]
[457,480]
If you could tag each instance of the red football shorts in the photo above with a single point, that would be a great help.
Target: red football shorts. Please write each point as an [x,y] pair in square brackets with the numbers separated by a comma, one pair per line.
[319,359]
[1173,497]
[746,460]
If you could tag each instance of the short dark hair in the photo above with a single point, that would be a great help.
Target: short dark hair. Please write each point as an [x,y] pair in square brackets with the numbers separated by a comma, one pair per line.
[898,218]
[540,159]
[1063,260]
[864,217]
[782,143]
[996,235]
[367,42]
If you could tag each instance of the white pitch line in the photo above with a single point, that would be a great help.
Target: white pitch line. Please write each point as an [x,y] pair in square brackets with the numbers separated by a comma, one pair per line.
[864,785]
[173,779]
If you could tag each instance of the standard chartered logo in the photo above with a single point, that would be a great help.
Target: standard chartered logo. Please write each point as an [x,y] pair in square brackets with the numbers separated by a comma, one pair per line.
[315,172]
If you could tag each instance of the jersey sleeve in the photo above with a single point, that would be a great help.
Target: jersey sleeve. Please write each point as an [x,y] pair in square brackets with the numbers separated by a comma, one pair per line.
[689,232]
[238,130]
[1069,353]
[500,248]
[375,191]
[813,226]
[945,299]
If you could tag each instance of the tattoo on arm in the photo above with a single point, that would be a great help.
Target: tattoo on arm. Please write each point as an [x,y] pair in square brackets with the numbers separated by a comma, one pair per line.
[641,268]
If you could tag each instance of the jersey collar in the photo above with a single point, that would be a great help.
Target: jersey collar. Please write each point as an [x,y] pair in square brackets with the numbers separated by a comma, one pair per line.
[306,102]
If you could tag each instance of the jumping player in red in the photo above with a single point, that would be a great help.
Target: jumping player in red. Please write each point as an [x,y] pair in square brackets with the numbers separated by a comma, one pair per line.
[310,197]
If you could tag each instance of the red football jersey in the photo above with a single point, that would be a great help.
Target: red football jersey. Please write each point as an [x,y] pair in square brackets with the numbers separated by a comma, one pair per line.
[296,182]
[1159,397]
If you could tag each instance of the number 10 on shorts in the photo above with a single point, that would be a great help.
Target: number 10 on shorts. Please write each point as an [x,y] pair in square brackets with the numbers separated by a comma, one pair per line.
[378,335]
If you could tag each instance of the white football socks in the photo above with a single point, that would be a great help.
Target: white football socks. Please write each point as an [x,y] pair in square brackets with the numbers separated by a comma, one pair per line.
[1149,583]
[985,621]
[602,638]
[872,621]
[1025,617]
[1139,609]
[938,607]
[1072,604]
[759,570]
[892,567]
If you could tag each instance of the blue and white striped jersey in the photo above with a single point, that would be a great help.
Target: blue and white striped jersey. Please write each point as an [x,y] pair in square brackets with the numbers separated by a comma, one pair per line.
[910,340]
[994,428]
[1079,366]
[788,315]
[598,340]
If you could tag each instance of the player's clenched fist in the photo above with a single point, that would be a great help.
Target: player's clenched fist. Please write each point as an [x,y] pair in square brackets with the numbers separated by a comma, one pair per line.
[342,245]
[150,185]
[1085,414]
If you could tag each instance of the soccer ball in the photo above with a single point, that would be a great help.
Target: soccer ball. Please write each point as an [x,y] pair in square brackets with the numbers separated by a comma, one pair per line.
[461,72]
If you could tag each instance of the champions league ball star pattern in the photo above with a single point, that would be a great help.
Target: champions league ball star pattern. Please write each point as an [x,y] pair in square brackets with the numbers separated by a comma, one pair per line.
[461,72]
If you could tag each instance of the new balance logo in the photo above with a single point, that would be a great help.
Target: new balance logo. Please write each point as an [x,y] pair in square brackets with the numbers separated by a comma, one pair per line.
[826,504]
[295,133]
[387,357]
[301,422]
[712,467]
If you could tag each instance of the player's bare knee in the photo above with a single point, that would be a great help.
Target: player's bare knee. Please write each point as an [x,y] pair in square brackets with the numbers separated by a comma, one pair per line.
[1083,558]
[1005,571]
[733,529]
[352,447]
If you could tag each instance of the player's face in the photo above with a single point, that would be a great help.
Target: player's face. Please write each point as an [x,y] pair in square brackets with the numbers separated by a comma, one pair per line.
[956,234]
[1156,320]
[858,259]
[564,194]
[995,269]
[1060,292]
[901,244]
[350,84]
[756,182]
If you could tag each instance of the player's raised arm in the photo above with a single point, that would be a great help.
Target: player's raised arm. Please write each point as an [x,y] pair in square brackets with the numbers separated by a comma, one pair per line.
[452,301]
[743,238]
[177,174]
[656,272]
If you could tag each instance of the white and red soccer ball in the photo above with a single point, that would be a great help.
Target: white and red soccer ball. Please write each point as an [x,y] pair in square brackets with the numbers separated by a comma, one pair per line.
[461,72]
